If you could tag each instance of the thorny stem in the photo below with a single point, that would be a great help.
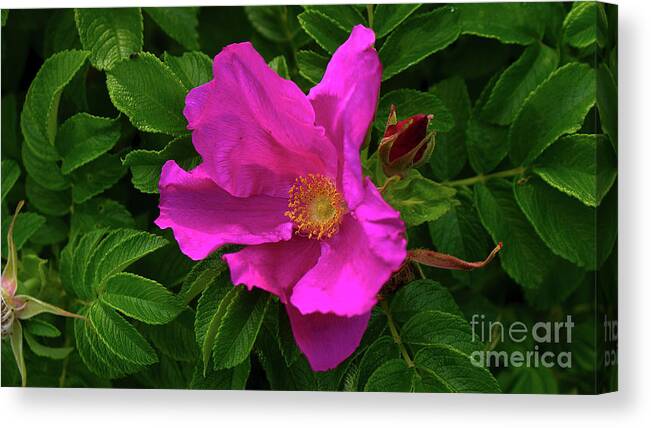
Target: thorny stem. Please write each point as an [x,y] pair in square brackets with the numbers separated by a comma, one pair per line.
[482,178]
[396,336]
[369,10]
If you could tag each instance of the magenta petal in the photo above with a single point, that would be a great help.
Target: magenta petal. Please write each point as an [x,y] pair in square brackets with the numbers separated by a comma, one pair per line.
[326,339]
[356,262]
[255,130]
[204,217]
[273,267]
[345,103]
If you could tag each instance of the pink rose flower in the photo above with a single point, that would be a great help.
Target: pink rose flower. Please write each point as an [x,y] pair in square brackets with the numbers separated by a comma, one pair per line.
[281,174]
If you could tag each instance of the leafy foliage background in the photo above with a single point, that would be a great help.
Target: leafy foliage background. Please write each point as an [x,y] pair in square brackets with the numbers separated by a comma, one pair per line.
[524,105]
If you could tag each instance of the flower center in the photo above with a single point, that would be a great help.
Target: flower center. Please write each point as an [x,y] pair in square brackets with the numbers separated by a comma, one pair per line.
[315,206]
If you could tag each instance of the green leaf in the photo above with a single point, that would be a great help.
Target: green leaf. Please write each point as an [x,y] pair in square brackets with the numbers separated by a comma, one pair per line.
[10,174]
[558,106]
[286,341]
[45,173]
[525,257]
[276,23]
[46,351]
[27,224]
[580,24]
[98,255]
[557,288]
[459,232]
[65,266]
[311,65]
[409,102]
[168,266]
[279,65]
[192,68]
[388,16]
[211,308]
[149,93]
[420,296]
[202,276]
[167,374]
[81,251]
[583,166]
[54,230]
[323,29]
[180,23]
[120,336]
[176,339]
[83,138]
[419,199]
[9,128]
[417,38]
[33,272]
[392,376]
[239,327]
[117,250]
[440,328]
[521,23]
[141,298]
[487,144]
[345,15]
[99,213]
[38,121]
[60,33]
[98,356]
[109,34]
[380,351]
[297,377]
[146,165]
[95,177]
[377,326]
[517,82]
[529,380]
[566,225]
[607,102]
[47,201]
[226,379]
[450,154]
[454,370]
[75,95]
[41,328]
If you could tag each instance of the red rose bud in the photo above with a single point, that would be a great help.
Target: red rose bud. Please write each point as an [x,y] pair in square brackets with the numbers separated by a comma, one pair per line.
[406,144]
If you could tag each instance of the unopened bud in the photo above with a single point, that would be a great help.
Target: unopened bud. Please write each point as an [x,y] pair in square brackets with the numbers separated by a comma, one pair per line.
[405,144]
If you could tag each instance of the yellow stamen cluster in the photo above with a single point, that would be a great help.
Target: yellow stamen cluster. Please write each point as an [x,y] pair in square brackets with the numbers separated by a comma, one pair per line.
[315,206]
